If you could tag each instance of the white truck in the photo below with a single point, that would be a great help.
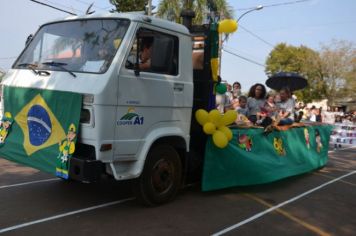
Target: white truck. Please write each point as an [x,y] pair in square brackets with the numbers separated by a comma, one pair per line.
[135,123]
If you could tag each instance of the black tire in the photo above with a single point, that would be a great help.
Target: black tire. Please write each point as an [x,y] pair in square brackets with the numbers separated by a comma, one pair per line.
[161,177]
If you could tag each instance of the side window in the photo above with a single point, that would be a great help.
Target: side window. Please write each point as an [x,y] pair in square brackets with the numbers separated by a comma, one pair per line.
[154,52]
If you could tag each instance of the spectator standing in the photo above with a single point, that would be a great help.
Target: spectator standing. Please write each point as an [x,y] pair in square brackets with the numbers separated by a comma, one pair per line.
[313,114]
[318,114]
[328,116]
[236,89]
[236,93]
[222,101]
[229,92]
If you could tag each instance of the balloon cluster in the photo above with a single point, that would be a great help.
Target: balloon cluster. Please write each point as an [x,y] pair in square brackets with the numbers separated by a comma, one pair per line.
[215,124]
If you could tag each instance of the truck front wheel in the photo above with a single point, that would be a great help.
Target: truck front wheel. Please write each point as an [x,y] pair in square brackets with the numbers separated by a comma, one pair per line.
[161,176]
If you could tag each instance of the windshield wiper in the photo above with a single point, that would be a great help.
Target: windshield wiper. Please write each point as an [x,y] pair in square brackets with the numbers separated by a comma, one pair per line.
[30,66]
[59,65]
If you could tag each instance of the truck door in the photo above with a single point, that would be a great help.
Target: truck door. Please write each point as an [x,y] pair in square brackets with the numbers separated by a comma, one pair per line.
[150,95]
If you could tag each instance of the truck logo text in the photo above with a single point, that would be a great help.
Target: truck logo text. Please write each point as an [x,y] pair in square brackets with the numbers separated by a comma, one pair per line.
[131,118]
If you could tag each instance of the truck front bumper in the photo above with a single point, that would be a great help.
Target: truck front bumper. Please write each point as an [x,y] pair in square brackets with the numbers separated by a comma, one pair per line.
[85,170]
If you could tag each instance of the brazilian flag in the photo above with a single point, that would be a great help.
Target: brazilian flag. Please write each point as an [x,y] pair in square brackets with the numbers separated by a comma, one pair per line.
[40,123]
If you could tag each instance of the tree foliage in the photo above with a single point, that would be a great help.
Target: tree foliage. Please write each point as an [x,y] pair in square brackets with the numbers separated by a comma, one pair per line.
[129,5]
[339,69]
[331,71]
[302,60]
[171,9]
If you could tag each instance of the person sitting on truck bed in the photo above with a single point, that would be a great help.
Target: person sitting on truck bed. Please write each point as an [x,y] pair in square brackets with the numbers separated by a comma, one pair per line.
[286,107]
[255,100]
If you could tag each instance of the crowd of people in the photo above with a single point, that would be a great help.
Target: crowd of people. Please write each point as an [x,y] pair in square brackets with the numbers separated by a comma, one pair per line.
[329,116]
[262,108]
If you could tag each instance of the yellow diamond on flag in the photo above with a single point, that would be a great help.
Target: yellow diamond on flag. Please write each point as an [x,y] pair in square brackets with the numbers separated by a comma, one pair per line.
[40,127]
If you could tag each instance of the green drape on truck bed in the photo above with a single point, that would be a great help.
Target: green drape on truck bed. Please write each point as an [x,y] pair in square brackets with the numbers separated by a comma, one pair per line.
[255,158]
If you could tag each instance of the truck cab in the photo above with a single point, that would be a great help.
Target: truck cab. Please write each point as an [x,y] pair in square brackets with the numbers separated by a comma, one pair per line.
[135,75]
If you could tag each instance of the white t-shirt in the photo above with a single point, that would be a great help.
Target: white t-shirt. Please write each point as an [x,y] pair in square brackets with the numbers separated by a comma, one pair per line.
[222,102]
[287,106]
[254,105]
[328,117]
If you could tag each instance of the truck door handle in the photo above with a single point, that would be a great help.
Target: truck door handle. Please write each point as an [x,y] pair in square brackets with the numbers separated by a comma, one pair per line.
[178,87]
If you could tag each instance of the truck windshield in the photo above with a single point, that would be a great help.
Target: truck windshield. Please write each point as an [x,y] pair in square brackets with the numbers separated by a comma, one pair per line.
[78,46]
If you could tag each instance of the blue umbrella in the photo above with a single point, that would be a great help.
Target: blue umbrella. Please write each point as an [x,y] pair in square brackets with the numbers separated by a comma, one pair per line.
[290,80]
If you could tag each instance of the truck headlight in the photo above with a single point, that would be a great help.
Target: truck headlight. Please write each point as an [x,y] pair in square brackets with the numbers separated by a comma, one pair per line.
[85,116]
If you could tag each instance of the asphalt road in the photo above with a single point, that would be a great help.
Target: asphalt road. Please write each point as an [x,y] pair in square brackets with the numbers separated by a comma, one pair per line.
[318,203]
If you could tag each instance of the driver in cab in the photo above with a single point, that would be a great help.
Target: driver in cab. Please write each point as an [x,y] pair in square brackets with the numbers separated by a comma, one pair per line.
[144,62]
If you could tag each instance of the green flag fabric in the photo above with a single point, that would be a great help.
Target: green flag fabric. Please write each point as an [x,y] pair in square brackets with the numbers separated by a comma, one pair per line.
[39,128]
[253,157]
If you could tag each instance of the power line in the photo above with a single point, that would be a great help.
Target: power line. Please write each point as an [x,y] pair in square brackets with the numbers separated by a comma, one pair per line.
[62,5]
[256,36]
[47,5]
[275,5]
[88,3]
[242,53]
[244,58]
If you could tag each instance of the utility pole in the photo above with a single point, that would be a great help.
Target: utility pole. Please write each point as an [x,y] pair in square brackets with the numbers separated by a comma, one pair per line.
[149,10]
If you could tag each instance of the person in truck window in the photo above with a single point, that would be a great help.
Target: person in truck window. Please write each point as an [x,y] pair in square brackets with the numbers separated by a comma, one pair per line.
[144,62]
[145,54]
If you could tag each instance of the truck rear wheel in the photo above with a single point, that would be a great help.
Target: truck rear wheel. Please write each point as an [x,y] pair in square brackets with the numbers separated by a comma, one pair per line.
[161,176]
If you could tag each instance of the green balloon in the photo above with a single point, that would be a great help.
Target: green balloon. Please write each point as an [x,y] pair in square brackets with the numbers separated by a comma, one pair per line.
[220,88]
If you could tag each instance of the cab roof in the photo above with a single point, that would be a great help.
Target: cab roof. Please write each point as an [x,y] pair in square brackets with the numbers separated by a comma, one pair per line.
[136,17]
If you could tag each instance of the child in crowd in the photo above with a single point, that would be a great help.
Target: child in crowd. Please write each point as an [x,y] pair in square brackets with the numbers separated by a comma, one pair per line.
[270,106]
[242,112]
[242,108]
[268,111]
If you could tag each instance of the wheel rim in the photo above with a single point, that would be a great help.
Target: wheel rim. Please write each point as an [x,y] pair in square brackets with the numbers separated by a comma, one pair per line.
[162,176]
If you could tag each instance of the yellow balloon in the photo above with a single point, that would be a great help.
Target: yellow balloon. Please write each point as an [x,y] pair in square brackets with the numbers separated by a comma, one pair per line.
[214,117]
[201,116]
[227,26]
[229,117]
[209,128]
[227,132]
[214,63]
[220,139]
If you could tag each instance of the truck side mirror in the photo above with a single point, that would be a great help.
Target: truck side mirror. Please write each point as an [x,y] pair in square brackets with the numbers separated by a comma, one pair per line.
[162,54]
[29,39]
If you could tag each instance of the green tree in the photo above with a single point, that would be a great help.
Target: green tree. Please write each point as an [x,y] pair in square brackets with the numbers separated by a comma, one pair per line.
[338,61]
[171,9]
[302,60]
[129,5]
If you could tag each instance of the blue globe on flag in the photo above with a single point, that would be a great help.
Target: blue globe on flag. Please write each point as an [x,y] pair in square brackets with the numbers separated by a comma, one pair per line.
[39,125]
